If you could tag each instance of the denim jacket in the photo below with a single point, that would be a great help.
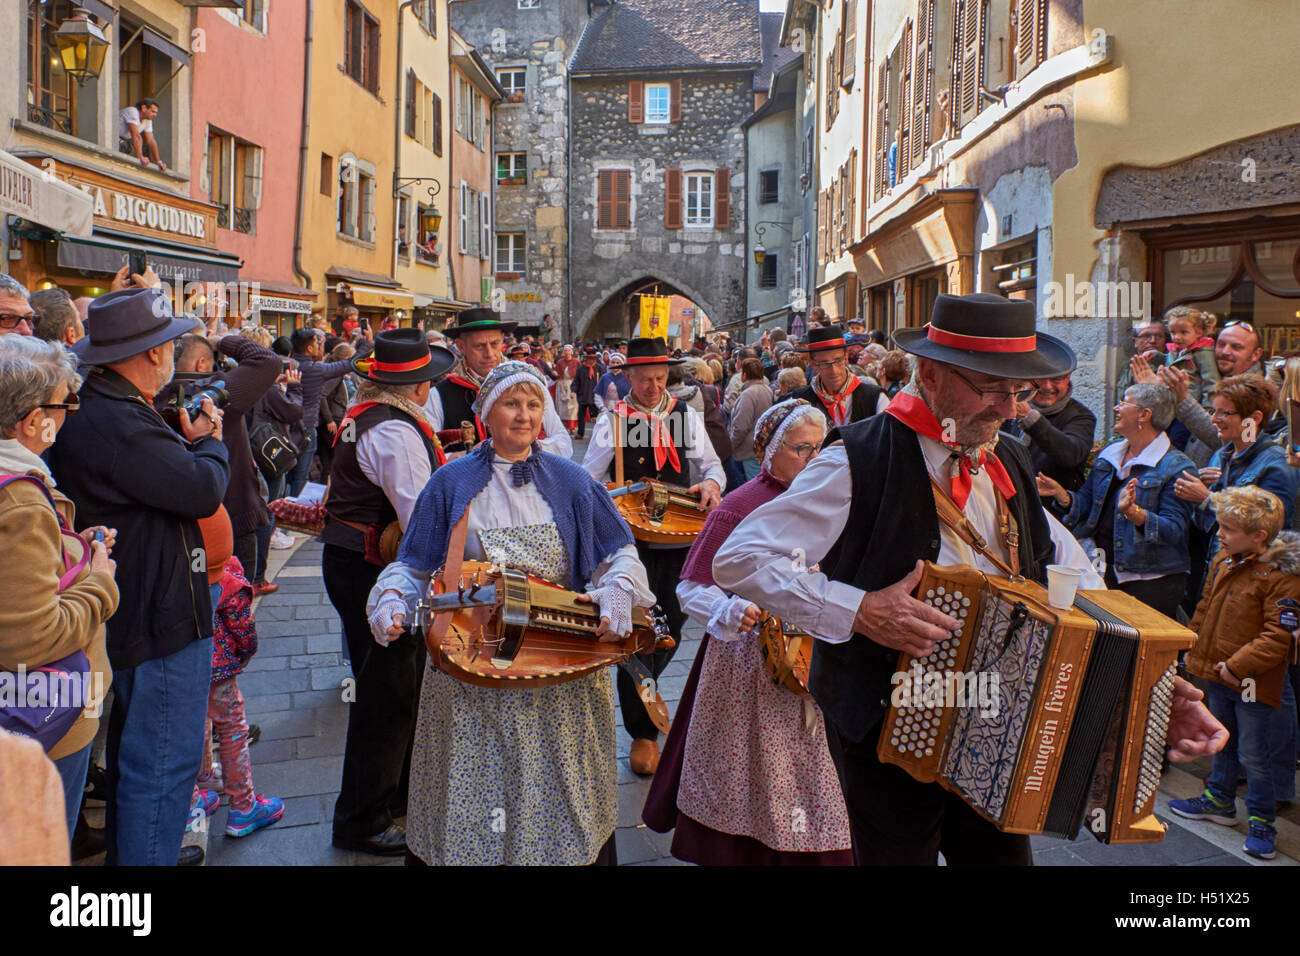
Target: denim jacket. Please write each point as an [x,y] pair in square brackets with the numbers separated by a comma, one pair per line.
[1160,545]
[1264,465]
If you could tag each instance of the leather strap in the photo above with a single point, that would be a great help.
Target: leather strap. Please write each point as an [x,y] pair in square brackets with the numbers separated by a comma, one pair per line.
[451,572]
[620,423]
[953,517]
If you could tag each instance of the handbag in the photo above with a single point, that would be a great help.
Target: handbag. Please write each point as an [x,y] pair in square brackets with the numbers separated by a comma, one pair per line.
[47,700]
[274,454]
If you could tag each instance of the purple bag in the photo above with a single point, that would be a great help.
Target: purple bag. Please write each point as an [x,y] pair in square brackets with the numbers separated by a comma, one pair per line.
[45,702]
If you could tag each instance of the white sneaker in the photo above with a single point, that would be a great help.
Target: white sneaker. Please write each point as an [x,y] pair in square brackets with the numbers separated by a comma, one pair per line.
[281,541]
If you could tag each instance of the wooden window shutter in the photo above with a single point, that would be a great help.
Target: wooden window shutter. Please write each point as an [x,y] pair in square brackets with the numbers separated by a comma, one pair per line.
[821,227]
[605,199]
[635,101]
[372,56]
[848,54]
[904,160]
[672,199]
[722,199]
[852,225]
[971,53]
[923,82]
[675,102]
[882,131]
[1031,35]
[837,225]
[410,102]
[622,199]
[437,125]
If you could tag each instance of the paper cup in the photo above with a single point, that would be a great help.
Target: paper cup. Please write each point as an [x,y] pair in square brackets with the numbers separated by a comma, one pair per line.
[1062,582]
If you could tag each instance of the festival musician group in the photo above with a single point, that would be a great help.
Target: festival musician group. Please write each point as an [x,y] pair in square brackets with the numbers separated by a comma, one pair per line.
[865,512]
[653,436]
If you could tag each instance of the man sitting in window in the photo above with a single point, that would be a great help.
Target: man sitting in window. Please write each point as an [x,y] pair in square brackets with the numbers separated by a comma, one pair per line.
[135,132]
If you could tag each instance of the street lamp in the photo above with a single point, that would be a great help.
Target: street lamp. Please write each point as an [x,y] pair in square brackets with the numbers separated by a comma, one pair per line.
[82,46]
[431,219]
[760,251]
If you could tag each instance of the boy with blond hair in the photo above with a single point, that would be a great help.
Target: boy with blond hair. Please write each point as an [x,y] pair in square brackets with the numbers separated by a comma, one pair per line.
[1244,625]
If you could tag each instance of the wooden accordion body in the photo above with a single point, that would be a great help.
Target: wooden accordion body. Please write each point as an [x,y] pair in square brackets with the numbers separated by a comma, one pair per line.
[1041,719]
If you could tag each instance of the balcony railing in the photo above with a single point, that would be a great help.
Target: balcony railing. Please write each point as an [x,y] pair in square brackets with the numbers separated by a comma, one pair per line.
[246,221]
[50,119]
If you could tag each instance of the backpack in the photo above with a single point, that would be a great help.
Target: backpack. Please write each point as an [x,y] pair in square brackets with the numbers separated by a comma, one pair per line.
[45,701]
[274,451]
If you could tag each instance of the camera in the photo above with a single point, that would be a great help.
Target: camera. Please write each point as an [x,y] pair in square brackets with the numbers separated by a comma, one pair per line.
[193,404]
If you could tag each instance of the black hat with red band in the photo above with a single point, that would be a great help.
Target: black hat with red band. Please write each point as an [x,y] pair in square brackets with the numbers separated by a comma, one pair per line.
[827,337]
[652,351]
[987,333]
[403,357]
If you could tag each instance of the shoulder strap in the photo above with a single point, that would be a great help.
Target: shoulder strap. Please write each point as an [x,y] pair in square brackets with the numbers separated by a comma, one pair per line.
[617,423]
[70,569]
[451,566]
[952,516]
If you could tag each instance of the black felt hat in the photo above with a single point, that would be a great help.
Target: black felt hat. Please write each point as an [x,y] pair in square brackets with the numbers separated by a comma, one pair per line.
[825,337]
[651,351]
[478,320]
[990,334]
[404,357]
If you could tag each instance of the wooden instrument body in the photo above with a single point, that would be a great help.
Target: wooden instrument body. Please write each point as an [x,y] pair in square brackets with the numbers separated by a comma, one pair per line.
[787,654]
[510,629]
[933,733]
[660,513]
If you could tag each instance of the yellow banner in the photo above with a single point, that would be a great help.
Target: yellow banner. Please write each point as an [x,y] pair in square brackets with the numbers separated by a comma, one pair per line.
[655,310]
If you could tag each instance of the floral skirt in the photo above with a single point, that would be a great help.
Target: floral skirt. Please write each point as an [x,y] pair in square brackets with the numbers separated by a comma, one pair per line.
[513,776]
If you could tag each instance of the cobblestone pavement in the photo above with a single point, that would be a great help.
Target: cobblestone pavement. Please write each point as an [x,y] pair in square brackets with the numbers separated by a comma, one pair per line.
[292,689]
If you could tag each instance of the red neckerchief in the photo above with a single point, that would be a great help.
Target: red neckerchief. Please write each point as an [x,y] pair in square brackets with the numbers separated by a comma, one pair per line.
[356,411]
[916,415]
[1204,342]
[479,428]
[838,405]
[665,450]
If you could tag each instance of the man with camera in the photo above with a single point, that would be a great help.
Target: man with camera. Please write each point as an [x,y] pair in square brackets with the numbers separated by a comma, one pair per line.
[235,392]
[126,469]
[318,376]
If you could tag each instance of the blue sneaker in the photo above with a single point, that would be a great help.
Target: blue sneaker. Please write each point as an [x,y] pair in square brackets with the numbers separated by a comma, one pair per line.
[1206,807]
[204,806]
[265,812]
[1260,841]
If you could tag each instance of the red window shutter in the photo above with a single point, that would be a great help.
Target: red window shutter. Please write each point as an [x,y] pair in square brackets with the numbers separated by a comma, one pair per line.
[722,199]
[635,101]
[675,102]
[622,199]
[672,199]
[605,199]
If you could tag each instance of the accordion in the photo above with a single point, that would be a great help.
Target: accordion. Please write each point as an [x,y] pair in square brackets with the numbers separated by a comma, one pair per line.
[1042,719]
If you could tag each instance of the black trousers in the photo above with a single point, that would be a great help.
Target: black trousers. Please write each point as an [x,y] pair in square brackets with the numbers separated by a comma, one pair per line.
[583,411]
[381,718]
[246,551]
[663,569]
[895,820]
[1163,594]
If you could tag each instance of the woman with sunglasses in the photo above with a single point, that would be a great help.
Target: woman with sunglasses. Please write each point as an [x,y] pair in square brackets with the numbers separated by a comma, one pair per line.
[58,603]
[745,778]
[1129,506]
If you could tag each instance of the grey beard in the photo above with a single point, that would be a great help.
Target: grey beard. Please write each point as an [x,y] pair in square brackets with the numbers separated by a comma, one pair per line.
[966,449]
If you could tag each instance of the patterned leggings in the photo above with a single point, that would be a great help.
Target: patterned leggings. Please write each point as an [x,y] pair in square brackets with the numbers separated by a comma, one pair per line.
[226,710]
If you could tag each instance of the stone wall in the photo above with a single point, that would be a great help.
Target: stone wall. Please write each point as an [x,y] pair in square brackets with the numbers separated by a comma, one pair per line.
[705,264]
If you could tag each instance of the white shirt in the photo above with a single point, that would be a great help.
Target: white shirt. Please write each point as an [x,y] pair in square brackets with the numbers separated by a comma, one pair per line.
[557,440]
[501,505]
[600,452]
[129,117]
[392,456]
[1149,456]
[766,557]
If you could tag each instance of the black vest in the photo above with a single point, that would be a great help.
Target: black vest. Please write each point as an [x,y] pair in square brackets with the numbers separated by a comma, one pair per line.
[862,403]
[353,497]
[639,460]
[892,524]
[457,403]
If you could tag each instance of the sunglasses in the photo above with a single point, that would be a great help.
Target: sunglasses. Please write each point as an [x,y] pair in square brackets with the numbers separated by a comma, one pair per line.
[69,405]
[11,320]
[1243,323]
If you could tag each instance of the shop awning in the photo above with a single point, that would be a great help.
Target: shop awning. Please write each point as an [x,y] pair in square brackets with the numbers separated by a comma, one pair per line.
[26,192]
[382,298]
[101,253]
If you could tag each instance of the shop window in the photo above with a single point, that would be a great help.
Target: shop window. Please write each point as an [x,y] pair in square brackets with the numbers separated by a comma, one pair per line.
[54,100]
[361,45]
[510,255]
[512,169]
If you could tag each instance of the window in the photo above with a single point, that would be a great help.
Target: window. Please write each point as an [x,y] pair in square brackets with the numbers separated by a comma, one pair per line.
[255,14]
[427,14]
[510,254]
[423,109]
[514,81]
[470,113]
[464,218]
[614,199]
[403,231]
[435,118]
[485,225]
[234,181]
[699,199]
[428,247]
[361,46]
[769,186]
[530,4]
[512,169]
[53,97]
[356,205]
[326,174]
[797,289]
[658,102]
[767,272]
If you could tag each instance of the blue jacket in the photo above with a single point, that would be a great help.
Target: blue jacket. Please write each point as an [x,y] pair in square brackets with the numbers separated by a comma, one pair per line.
[1160,547]
[1264,465]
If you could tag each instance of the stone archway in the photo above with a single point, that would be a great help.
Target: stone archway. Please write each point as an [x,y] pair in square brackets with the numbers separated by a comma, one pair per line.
[628,285]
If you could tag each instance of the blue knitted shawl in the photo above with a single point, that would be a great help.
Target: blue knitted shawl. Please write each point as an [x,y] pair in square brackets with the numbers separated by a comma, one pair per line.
[589,524]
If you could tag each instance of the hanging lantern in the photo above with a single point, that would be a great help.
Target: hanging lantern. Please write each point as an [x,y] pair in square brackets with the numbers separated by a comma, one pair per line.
[760,253]
[431,219]
[82,46]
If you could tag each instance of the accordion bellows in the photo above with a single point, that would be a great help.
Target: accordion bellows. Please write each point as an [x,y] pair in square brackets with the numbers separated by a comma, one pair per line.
[1042,719]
